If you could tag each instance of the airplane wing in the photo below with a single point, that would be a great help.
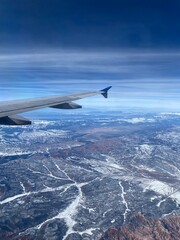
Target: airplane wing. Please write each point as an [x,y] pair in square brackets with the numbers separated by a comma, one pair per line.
[9,109]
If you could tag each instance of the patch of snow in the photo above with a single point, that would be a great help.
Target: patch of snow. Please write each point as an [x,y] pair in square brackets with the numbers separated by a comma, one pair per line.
[42,133]
[139,120]
[104,214]
[157,186]
[161,188]
[146,149]
[153,198]
[14,153]
[88,231]
[173,136]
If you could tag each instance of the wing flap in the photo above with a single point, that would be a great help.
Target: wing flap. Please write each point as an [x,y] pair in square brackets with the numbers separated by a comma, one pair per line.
[14,120]
[69,105]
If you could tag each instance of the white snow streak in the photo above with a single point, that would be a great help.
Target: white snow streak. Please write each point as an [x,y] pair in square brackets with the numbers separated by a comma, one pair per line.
[124,201]
[46,189]
[70,212]
[23,187]
[10,199]
[49,174]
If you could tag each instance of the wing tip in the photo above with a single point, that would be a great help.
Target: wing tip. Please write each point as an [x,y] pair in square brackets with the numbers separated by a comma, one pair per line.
[104,91]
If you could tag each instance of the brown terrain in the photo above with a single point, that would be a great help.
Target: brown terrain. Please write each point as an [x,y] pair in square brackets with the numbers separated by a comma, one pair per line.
[142,228]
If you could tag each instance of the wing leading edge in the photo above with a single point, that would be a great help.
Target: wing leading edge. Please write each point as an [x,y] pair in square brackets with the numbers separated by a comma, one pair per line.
[9,109]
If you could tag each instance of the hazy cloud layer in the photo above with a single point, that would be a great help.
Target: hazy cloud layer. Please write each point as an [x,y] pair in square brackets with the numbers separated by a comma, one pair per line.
[139,79]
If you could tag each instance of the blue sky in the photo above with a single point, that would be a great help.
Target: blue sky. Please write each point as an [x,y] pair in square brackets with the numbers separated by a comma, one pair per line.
[59,47]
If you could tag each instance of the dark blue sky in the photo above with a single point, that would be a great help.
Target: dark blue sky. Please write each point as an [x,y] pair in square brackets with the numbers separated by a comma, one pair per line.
[90,23]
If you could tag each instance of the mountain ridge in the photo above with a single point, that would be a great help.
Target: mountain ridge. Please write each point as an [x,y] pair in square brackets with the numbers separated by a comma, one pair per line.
[144,228]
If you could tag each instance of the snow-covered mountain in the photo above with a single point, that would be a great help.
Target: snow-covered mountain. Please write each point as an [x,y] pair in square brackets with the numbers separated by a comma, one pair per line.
[74,178]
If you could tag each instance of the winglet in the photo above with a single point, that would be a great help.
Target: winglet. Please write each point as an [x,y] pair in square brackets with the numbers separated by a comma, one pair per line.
[104,91]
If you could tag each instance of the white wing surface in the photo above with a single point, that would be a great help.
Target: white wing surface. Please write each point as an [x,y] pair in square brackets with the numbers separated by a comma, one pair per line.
[9,109]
